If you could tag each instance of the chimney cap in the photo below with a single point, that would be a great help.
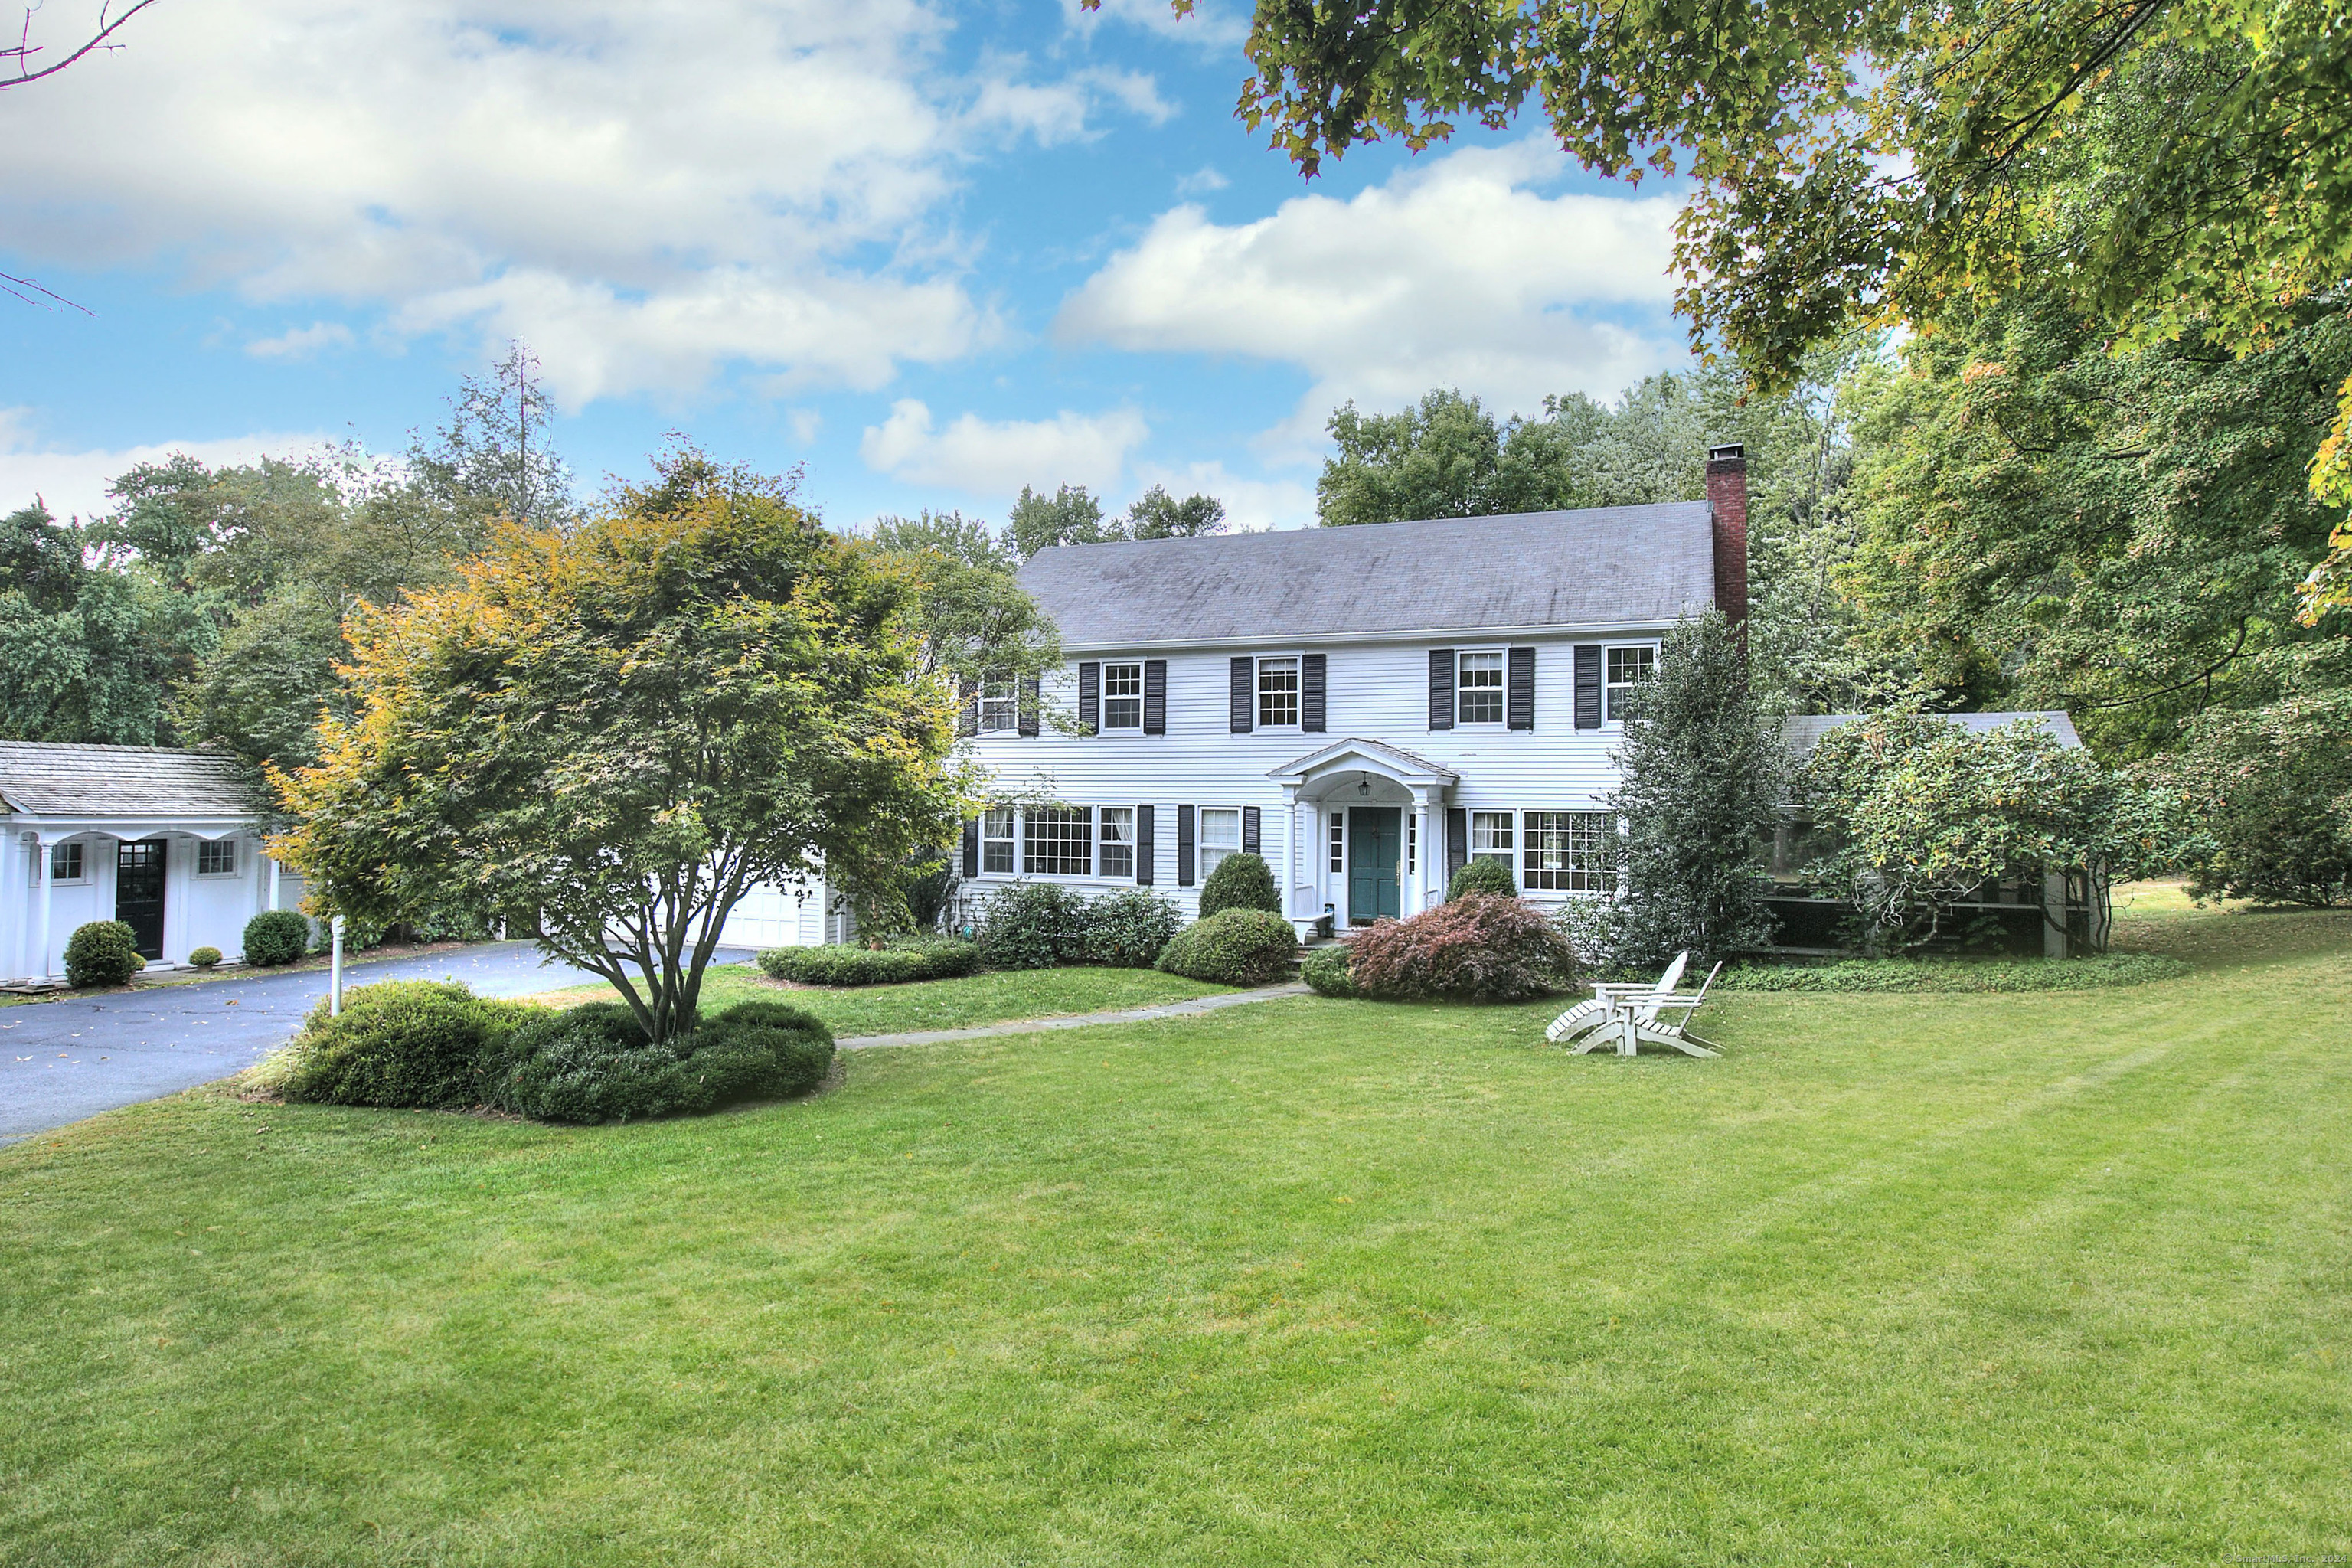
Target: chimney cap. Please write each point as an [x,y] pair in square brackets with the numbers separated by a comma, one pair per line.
[1733,453]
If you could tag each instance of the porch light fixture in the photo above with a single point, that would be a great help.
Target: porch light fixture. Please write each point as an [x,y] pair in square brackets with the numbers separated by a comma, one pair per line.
[1364,787]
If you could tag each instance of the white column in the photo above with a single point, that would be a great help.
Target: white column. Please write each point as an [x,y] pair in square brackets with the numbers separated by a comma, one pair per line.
[1289,878]
[18,901]
[273,883]
[46,883]
[1417,892]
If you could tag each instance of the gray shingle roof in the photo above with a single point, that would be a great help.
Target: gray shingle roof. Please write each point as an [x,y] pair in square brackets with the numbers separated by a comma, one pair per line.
[47,779]
[1620,566]
[1804,732]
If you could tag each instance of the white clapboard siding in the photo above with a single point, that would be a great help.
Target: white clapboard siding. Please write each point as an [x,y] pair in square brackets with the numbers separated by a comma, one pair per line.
[1376,691]
[790,914]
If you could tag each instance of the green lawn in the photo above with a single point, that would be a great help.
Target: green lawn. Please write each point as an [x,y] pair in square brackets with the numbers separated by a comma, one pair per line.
[1985,1279]
[938,1003]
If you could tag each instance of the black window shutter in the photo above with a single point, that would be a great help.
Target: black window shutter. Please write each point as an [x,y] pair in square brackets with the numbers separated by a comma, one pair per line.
[1155,697]
[1519,690]
[1588,686]
[1441,689]
[1457,842]
[1029,704]
[967,705]
[1249,830]
[1145,848]
[1183,845]
[1244,691]
[1089,696]
[971,846]
[1311,673]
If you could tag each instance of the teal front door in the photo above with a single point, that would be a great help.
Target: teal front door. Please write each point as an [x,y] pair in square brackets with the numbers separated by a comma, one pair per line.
[1375,851]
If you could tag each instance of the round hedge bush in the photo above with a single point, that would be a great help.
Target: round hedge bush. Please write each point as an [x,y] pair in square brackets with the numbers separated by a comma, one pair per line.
[593,1064]
[1129,928]
[102,953]
[275,937]
[845,963]
[1234,947]
[422,1043]
[1487,876]
[1032,925]
[204,957]
[1479,947]
[1240,882]
[758,1050]
[1326,972]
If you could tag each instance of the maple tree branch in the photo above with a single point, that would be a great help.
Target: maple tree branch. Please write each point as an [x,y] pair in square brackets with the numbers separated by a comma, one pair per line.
[23,51]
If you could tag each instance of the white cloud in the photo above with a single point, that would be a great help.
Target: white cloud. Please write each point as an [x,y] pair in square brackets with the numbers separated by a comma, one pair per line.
[73,484]
[301,343]
[1056,112]
[656,190]
[996,457]
[1200,181]
[1452,274]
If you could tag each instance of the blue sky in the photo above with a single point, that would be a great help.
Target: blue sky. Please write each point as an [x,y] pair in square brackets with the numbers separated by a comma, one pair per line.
[932,253]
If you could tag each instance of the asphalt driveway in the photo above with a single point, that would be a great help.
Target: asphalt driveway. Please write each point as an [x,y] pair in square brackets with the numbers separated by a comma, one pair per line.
[63,1060]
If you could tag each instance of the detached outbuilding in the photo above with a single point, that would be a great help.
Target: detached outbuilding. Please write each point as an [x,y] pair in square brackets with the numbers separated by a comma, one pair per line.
[168,842]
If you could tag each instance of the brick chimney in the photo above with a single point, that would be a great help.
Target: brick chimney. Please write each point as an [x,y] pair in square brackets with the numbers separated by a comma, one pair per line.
[1727,507]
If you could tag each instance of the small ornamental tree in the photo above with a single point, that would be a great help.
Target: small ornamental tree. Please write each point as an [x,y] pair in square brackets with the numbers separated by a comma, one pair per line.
[1918,813]
[1702,777]
[2267,799]
[1240,882]
[623,727]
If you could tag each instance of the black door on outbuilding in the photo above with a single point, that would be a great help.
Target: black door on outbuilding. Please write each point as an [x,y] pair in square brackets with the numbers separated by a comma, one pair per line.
[138,892]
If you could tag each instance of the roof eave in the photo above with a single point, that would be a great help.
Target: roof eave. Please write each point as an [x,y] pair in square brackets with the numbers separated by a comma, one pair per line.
[1646,627]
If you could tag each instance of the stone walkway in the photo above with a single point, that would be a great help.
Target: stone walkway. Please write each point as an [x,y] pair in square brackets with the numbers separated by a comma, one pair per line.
[1076,1020]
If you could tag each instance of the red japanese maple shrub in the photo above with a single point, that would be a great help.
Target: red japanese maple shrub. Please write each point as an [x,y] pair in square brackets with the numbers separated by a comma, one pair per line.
[1480,947]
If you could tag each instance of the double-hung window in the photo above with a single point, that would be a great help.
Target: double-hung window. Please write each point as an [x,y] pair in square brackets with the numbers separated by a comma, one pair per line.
[1117,835]
[65,863]
[996,840]
[1490,836]
[215,856]
[1221,835]
[1478,689]
[1000,704]
[1057,841]
[1122,697]
[1568,852]
[1277,692]
[1628,667]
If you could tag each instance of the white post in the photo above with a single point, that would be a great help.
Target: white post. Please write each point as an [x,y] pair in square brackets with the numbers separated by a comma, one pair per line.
[1289,852]
[273,882]
[335,968]
[47,884]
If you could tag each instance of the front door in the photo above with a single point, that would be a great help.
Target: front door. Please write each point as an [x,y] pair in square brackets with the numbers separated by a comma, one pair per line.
[138,892]
[1375,845]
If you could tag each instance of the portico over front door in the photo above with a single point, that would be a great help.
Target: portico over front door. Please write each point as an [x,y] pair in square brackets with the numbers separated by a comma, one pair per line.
[1375,859]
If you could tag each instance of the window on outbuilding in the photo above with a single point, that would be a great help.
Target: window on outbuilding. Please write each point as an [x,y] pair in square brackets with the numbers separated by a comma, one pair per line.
[1478,690]
[65,863]
[215,856]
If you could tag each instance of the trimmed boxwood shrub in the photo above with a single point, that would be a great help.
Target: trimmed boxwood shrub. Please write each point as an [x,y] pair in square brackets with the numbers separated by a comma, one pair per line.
[1129,928]
[1479,947]
[204,957]
[428,1044]
[1032,925]
[1240,882]
[844,963]
[1235,947]
[1325,971]
[276,936]
[593,1064]
[1487,876]
[102,953]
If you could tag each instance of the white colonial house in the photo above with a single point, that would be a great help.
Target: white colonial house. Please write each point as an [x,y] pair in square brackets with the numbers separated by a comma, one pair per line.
[168,842]
[1367,708]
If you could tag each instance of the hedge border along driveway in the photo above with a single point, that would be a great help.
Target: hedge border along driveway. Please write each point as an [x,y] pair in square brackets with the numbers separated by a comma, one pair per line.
[1971,1280]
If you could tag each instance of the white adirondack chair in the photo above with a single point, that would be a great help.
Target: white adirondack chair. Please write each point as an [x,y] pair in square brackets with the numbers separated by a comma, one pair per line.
[1645,1021]
[1608,999]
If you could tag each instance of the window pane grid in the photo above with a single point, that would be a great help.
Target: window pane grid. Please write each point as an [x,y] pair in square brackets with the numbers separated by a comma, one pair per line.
[1338,842]
[215,857]
[1567,851]
[1122,695]
[1479,689]
[65,863]
[999,703]
[1277,691]
[1628,667]
[1119,840]
[1057,841]
[996,840]
[1490,836]
[1221,835]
